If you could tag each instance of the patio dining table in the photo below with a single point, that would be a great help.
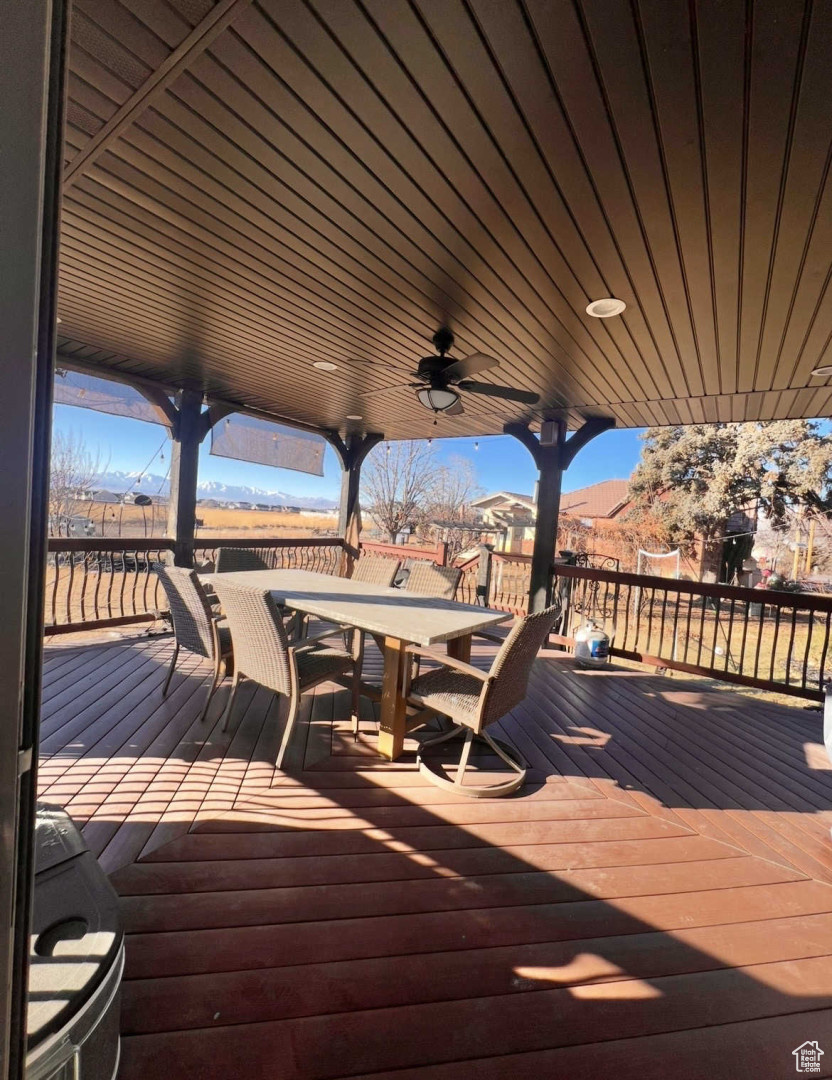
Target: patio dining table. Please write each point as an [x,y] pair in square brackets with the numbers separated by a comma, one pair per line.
[395,617]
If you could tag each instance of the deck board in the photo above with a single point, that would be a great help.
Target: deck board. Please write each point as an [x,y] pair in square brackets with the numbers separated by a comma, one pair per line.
[406,1036]
[661,891]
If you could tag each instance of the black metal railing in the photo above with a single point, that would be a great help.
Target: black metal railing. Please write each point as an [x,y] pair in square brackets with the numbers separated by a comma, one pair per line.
[98,582]
[755,637]
[321,554]
[93,583]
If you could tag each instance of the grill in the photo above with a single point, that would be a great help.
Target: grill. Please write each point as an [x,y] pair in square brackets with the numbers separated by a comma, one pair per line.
[77,959]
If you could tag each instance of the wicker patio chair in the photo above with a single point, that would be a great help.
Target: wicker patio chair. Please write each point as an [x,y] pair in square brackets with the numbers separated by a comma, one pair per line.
[428,579]
[473,699]
[195,625]
[374,570]
[232,559]
[263,653]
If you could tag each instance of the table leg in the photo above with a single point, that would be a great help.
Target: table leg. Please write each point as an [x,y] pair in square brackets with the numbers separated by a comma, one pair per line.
[460,648]
[393,711]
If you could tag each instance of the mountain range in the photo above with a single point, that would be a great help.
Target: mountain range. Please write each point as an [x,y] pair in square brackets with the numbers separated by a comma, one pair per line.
[151,484]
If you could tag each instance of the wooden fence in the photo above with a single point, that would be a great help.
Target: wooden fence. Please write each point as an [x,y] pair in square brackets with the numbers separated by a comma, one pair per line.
[438,553]
[496,580]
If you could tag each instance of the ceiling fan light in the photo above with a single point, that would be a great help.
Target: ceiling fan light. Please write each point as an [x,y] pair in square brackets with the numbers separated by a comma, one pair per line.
[437,398]
[605,308]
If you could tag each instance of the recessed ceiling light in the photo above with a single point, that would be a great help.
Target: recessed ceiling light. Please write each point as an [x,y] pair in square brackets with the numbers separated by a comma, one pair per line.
[59,320]
[822,372]
[605,308]
[354,416]
[324,365]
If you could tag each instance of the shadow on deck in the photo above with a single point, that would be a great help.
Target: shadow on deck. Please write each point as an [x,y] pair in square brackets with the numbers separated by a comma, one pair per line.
[654,903]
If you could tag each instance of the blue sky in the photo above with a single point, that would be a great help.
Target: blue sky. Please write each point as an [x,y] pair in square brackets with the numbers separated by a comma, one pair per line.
[501,462]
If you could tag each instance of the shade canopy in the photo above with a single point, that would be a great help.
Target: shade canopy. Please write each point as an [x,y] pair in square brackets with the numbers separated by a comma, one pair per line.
[104,395]
[253,187]
[248,438]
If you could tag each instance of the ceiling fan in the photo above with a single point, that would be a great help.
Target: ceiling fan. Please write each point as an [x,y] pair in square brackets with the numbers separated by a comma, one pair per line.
[440,379]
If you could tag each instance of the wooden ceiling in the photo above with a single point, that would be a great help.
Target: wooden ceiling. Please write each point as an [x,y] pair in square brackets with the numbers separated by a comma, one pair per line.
[254,185]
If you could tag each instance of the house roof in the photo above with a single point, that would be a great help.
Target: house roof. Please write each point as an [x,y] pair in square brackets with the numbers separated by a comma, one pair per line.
[497,497]
[249,189]
[601,500]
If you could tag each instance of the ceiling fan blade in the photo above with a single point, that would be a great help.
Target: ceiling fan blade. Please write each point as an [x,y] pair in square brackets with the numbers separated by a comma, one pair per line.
[470,365]
[455,409]
[510,393]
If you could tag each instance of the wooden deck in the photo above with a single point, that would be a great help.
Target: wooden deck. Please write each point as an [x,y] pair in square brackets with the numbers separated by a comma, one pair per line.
[657,901]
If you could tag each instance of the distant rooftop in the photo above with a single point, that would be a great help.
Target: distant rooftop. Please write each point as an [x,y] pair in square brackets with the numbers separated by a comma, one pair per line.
[601,500]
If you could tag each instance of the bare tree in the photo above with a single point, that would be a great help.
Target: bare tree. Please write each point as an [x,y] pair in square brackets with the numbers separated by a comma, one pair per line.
[449,514]
[73,470]
[397,484]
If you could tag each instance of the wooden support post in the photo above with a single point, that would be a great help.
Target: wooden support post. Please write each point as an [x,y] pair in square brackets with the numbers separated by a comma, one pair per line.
[551,459]
[460,648]
[393,717]
[484,575]
[188,433]
[546,528]
[350,483]
[351,453]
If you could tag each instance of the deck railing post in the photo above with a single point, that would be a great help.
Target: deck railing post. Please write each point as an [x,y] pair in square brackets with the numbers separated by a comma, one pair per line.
[484,574]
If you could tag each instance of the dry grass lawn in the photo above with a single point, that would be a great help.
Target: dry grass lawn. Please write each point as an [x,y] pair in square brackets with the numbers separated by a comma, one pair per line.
[133,521]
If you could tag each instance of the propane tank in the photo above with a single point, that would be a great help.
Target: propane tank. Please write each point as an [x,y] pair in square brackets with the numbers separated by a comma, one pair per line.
[592,645]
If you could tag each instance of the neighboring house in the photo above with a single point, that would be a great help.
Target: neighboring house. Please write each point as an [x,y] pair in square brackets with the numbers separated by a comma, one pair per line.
[514,514]
[510,515]
[724,557]
[591,519]
[604,500]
